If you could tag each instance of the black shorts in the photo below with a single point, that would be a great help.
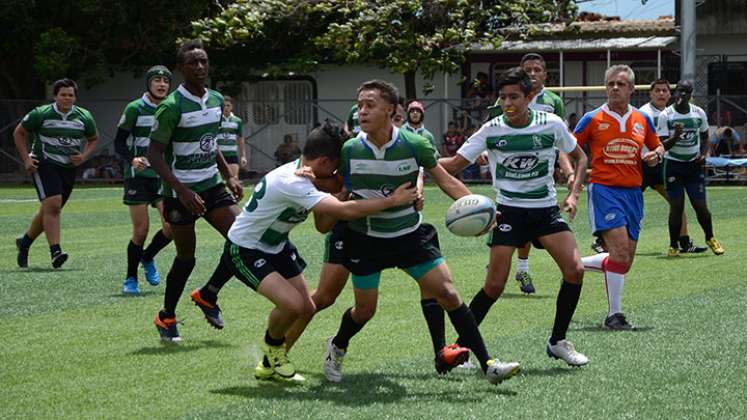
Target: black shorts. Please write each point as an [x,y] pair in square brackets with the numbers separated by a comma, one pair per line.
[367,255]
[142,190]
[251,266]
[652,176]
[685,176]
[518,225]
[50,180]
[334,244]
[214,198]
[231,160]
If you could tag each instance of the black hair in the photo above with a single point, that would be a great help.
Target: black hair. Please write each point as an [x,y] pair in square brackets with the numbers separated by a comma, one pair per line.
[64,83]
[227,98]
[685,85]
[515,76]
[325,140]
[660,81]
[532,56]
[192,44]
[387,90]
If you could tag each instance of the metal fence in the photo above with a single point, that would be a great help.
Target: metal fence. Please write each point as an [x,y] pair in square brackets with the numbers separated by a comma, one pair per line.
[268,122]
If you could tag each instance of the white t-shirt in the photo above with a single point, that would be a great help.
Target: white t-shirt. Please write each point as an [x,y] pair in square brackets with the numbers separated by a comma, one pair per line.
[281,201]
[653,112]
[522,159]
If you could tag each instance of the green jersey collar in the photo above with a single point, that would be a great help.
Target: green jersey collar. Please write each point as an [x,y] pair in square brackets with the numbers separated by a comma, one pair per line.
[202,101]
[529,121]
[65,114]
[380,152]
[147,101]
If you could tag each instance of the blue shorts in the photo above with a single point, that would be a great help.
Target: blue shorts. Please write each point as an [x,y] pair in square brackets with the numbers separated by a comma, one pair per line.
[614,207]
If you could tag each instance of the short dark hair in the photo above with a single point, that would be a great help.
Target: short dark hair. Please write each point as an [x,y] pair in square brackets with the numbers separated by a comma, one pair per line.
[387,90]
[191,45]
[64,83]
[685,85]
[532,56]
[661,81]
[227,98]
[515,76]
[325,140]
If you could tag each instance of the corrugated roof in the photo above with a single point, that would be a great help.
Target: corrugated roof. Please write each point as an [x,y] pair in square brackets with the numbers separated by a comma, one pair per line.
[587,44]
[611,28]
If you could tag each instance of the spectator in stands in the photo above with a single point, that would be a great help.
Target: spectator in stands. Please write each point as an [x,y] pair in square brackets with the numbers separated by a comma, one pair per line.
[287,151]
[725,141]
[453,140]
[479,96]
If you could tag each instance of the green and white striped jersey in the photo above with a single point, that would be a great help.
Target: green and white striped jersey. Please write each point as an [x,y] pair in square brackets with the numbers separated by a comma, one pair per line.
[57,136]
[373,172]
[231,128]
[687,148]
[544,101]
[281,201]
[422,131]
[522,159]
[137,119]
[188,126]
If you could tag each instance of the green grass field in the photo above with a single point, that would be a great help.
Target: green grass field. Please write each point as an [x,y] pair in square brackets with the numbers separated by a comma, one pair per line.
[74,347]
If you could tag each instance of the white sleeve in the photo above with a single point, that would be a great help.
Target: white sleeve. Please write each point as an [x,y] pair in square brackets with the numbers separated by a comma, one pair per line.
[662,125]
[301,191]
[476,144]
[564,140]
[704,125]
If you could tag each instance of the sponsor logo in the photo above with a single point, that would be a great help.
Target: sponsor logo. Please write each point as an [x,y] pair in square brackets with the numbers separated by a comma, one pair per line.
[131,192]
[355,260]
[338,245]
[260,262]
[521,163]
[670,179]
[502,143]
[638,129]
[622,149]
[609,217]
[603,126]
[293,256]
[405,167]
[536,142]
[387,190]
[504,227]
[207,142]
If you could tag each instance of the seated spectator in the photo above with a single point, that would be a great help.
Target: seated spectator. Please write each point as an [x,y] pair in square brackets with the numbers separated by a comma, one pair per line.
[453,140]
[479,96]
[725,141]
[287,151]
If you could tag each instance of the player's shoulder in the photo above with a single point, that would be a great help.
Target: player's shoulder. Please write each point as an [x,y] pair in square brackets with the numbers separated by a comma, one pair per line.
[215,94]
[236,119]
[551,119]
[83,112]
[552,96]
[646,117]
[410,136]
[46,109]
[696,109]
[595,116]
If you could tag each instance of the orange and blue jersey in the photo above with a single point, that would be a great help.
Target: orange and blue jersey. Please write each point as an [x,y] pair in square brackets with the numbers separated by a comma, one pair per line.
[615,144]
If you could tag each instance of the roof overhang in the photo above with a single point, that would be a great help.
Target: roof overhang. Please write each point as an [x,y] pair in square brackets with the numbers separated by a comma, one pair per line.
[589,44]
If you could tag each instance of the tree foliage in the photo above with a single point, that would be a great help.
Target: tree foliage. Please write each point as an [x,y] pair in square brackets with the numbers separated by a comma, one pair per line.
[404,36]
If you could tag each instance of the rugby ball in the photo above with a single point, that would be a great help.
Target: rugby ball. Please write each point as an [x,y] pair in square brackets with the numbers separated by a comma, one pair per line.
[470,215]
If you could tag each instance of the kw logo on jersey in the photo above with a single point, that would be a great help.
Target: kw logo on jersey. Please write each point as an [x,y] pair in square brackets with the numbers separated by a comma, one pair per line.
[621,151]
[519,167]
[521,163]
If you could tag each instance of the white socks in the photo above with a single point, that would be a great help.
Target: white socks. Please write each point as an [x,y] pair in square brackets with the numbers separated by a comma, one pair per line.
[522,265]
[594,262]
[614,283]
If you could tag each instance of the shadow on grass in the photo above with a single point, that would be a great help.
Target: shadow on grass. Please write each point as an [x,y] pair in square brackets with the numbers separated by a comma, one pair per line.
[359,389]
[171,348]
[600,328]
[141,294]
[524,296]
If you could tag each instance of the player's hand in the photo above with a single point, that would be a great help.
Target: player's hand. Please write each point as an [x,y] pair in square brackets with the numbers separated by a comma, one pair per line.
[30,164]
[306,172]
[679,129]
[420,201]
[76,159]
[651,158]
[139,163]
[570,180]
[570,206]
[492,225]
[243,161]
[482,160]
[234,185]
[192,201]
[404,194]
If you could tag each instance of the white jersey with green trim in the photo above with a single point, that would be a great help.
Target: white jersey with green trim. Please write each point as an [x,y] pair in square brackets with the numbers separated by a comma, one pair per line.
[687,148]
[522,159]
[281,201]
[652,111]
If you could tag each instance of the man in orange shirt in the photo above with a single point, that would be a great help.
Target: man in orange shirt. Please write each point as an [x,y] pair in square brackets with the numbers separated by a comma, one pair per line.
[615,133]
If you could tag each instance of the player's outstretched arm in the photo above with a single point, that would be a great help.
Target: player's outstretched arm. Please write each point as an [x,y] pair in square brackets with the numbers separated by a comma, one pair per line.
[355,209]
[454,164]
[448,184]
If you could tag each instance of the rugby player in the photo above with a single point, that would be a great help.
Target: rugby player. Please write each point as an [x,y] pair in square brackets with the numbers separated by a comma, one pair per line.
[231,138]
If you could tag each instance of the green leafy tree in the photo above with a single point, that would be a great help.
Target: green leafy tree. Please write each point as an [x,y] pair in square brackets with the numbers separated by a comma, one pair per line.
[404,36]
